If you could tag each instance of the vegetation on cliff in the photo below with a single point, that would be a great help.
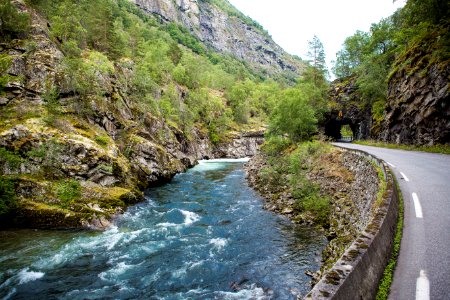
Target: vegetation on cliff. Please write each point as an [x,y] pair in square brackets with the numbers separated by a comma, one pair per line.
[413,40]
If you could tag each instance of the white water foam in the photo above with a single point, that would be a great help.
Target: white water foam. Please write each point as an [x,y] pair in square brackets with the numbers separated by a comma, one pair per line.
[218,243]
[27,276]
[252,292]
[224,160]
[113,273]
[189,217]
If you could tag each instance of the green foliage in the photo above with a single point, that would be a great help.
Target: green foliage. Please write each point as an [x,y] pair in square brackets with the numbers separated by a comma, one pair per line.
[289,165]
[9,159]
[68,190]
[12,23]
[162,68]
[5,63]
[412,40]
[48,156]
[86,75]
[102,140]
[53,106]
[424,11]
[184,37]
[66,25]
[8,199]
[352,54]
[275,145]
[316,55]
[294,116]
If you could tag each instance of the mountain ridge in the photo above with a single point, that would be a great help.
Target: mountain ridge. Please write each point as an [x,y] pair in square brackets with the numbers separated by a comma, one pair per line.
[227,32]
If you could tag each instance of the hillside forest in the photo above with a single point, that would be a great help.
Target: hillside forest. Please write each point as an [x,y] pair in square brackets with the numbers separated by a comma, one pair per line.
[117,60]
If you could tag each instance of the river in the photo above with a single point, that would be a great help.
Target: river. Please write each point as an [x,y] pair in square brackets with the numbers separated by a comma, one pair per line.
[204,235]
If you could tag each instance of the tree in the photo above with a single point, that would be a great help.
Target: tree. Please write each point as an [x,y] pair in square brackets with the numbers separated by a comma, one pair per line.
[425,11]
[293,116]
[315,87]
[12,22]
[66,25]
[353,53]
[316,55]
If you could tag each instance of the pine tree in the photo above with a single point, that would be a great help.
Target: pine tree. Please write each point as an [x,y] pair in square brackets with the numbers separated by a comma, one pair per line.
[316,55]
[12,22]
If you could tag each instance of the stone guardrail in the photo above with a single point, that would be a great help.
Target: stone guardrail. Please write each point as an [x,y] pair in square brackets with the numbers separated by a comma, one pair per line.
[357,273]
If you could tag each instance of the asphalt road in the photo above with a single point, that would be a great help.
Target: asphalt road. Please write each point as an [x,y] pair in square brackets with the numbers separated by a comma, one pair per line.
[423,268]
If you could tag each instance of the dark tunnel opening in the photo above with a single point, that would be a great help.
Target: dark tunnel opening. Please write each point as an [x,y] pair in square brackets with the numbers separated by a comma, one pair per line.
[339,129]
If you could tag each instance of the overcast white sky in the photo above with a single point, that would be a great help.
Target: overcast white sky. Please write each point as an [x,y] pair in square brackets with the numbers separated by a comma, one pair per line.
[292,23]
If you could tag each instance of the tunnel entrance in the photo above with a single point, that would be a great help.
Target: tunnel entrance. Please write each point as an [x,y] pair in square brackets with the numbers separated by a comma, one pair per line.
[341,129]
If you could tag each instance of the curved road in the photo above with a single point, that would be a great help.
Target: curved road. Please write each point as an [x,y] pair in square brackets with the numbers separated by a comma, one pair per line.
[423,268]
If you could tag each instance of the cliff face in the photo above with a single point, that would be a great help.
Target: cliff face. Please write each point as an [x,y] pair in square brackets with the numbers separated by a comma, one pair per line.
[418,106]
[225,33]
[417,109]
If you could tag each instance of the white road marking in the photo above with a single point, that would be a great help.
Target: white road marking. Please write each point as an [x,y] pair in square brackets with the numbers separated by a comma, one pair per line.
[417,206]
[404,176]
[390,164]
[422,287]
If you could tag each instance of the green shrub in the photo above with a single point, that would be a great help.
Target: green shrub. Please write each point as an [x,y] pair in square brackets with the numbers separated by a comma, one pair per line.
[68,190]
[12,22]
[275,145]
[9,159]
[7,195]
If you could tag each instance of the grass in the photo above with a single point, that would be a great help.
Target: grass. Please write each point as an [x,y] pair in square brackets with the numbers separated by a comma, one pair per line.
[9,159]
[388,275]
[444,149]
[102,140]
[68,190]
[383,185]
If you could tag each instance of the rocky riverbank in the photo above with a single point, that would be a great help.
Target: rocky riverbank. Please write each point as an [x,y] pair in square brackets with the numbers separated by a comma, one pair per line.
[348,180]
[79,143]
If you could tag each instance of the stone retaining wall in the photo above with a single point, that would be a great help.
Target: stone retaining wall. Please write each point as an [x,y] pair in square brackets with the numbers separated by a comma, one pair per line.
[357,273]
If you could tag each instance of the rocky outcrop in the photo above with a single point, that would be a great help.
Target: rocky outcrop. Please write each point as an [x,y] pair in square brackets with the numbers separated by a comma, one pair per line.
[346,108]
[240,145]
[418,107]
[226,33]
[417,110]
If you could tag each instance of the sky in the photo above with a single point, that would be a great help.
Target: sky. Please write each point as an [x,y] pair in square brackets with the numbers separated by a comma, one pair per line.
[292,23]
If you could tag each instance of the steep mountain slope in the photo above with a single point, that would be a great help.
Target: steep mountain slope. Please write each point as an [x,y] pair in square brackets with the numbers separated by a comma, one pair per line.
[88,120]
[225,29]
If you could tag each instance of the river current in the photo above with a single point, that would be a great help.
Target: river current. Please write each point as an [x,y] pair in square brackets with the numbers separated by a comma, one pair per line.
[204,235]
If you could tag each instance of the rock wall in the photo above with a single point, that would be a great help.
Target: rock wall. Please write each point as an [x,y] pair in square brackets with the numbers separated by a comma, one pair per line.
[353,199]
[360,229]
[417,110]
[225,33]
[357,273]
[418,107]
[350,182]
